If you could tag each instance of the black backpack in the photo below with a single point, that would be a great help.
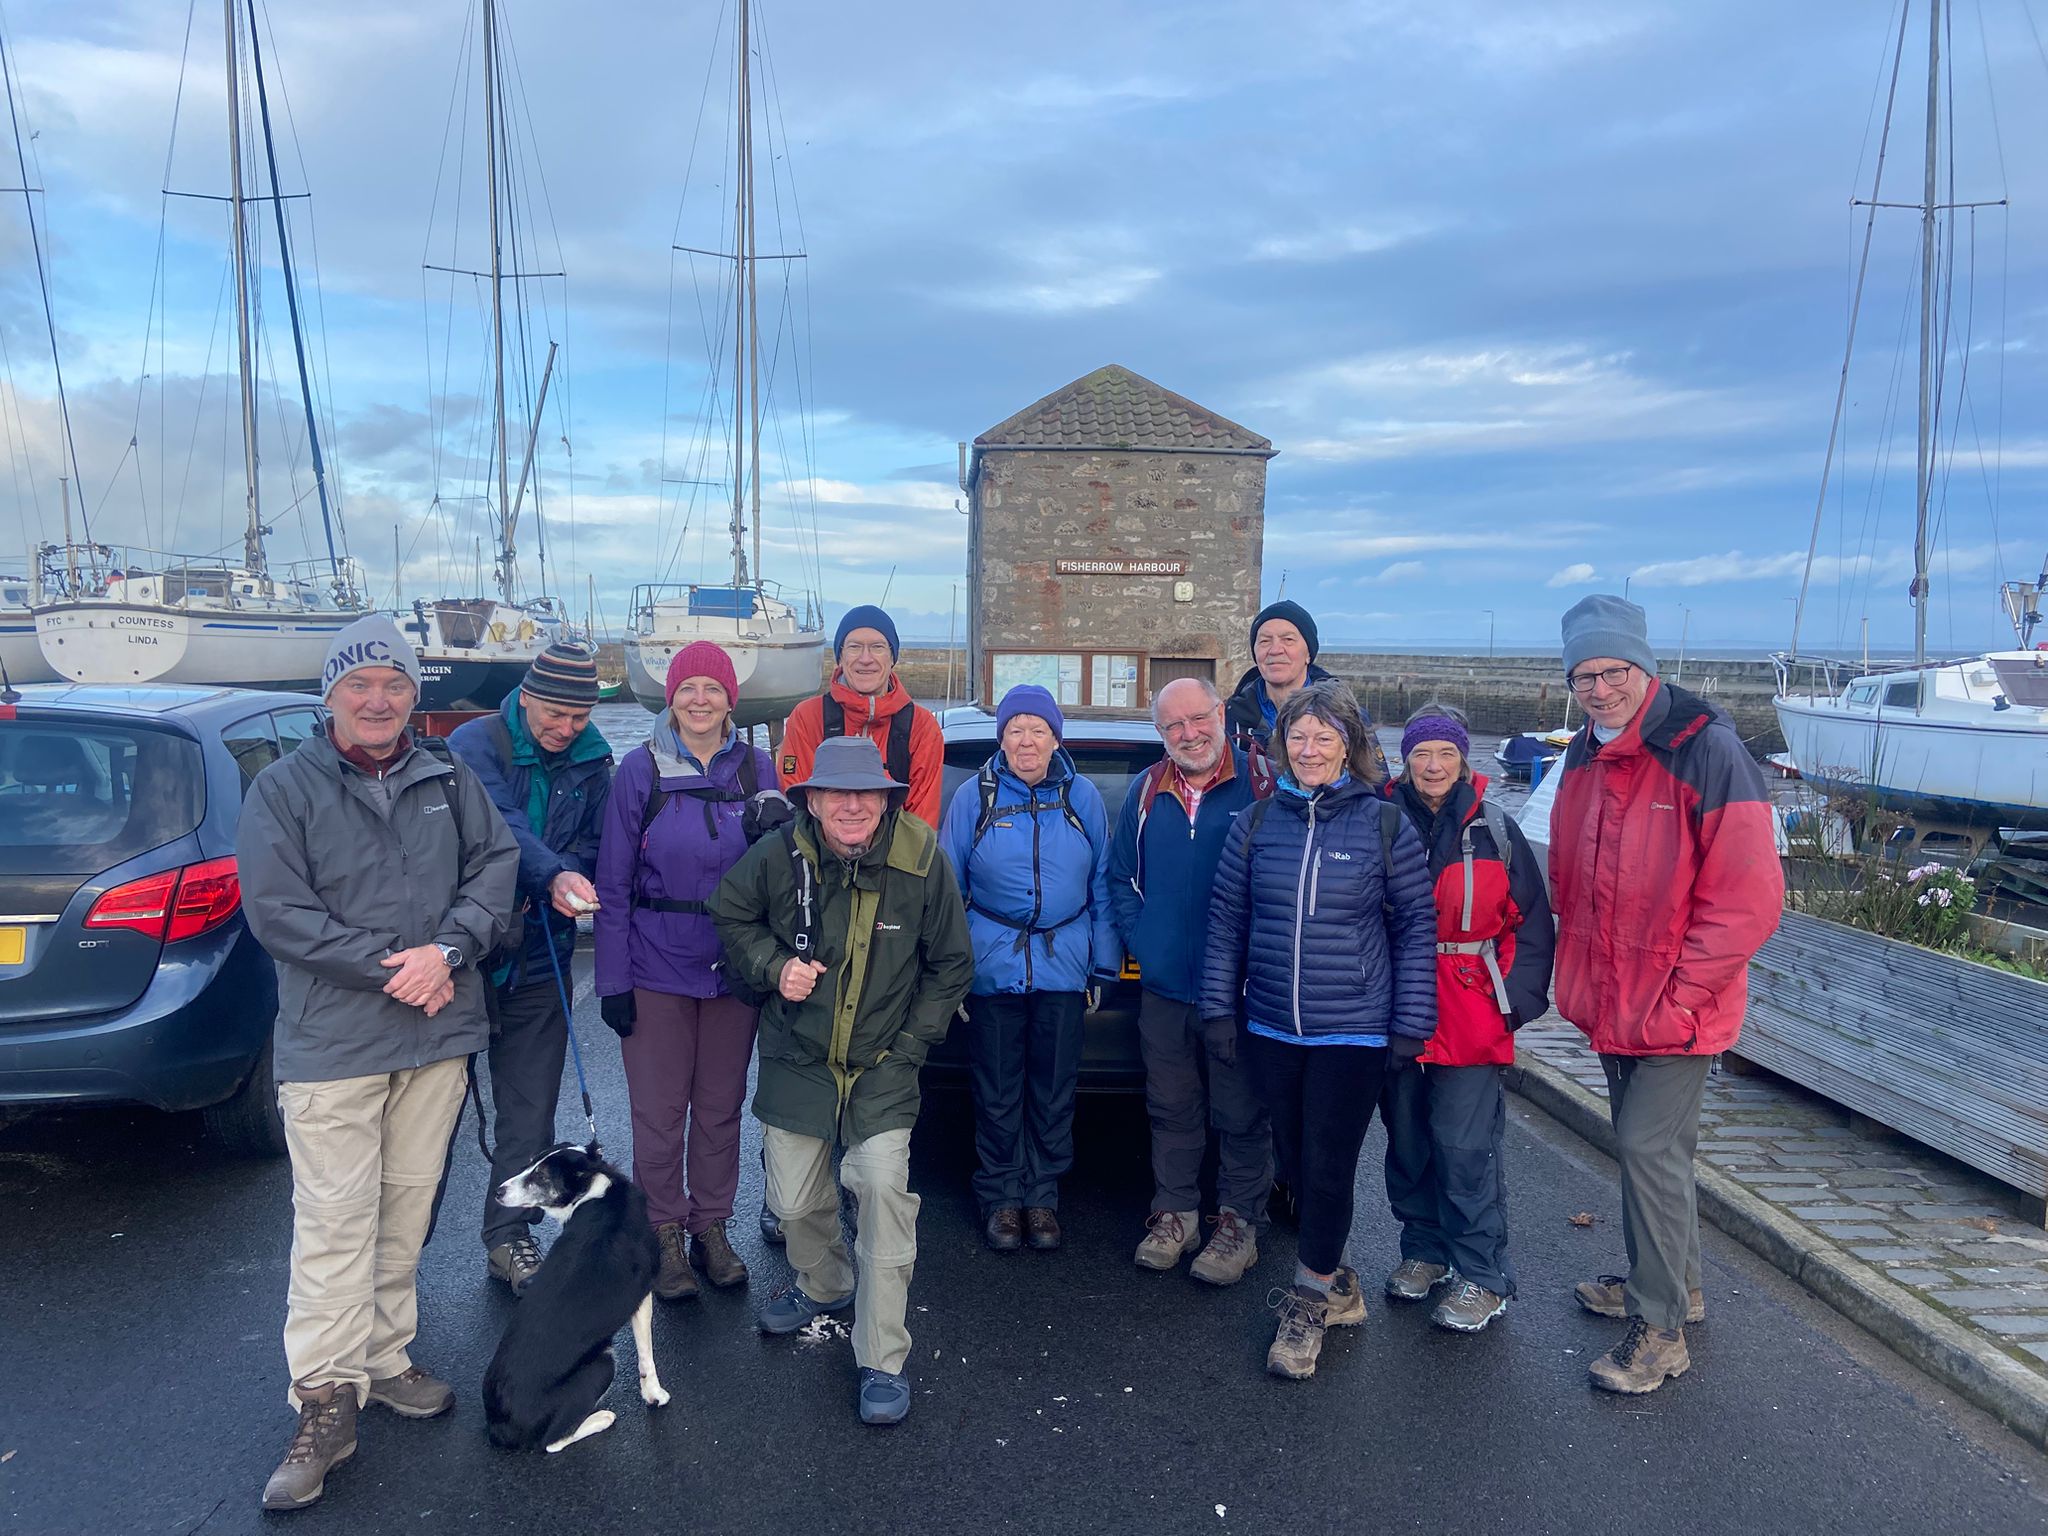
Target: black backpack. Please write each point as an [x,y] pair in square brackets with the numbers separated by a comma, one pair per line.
[896,755]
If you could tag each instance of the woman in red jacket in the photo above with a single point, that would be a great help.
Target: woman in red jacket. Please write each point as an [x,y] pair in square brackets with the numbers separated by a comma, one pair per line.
[1445,1113]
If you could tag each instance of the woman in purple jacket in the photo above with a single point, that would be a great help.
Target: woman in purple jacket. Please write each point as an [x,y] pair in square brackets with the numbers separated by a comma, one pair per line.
[674,825]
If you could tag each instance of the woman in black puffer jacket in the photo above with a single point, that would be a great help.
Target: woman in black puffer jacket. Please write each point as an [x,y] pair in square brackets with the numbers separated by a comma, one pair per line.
[1321,962]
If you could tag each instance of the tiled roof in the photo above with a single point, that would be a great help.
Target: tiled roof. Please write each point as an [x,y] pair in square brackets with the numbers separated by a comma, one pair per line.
[1116,408]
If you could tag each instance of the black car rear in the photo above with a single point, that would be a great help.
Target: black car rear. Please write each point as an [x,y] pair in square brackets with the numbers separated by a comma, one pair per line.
[1112,753]
[127,973]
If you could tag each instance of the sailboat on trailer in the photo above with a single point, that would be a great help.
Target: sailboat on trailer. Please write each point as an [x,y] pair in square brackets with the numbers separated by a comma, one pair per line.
[107,615]
[474,650]
[776,651]
[1958,745]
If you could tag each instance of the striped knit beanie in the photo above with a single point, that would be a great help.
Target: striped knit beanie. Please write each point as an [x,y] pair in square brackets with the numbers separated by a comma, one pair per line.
[565,673]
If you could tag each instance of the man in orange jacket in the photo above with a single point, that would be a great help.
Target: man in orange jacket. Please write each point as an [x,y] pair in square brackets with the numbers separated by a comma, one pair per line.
[1665,879]
[865,697]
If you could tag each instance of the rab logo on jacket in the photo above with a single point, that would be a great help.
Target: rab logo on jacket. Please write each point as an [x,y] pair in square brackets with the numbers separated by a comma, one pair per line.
[1340,855]
[364,653]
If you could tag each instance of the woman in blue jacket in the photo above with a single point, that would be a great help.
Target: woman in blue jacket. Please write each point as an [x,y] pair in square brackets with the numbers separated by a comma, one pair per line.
[1029,841]
[1321,963]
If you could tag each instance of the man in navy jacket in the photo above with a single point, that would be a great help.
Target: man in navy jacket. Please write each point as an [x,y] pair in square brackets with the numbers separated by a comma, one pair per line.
[549,773]
[1162,865]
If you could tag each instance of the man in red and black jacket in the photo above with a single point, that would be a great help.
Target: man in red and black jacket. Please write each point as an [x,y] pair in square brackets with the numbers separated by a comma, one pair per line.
[1665,878]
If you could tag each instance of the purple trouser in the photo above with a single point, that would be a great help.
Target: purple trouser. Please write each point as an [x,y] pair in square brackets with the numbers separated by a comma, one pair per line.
[686,1067]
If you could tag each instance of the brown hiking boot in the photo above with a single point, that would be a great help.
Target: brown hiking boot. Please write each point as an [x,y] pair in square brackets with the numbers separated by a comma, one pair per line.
[1004,1229]
[675,1282]
[1299,1338]
[326,1438]
[1468,1307]
[1347,1299]
[710,1252]
[1604,1298]
[413,1394]
[1169,1235]
[1232,1249]
[516,1261]
[1414,1279]
[1042,1228]
[1643,1361]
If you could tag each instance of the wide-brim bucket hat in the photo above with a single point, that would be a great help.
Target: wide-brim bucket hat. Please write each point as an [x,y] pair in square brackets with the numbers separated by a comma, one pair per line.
[847,762]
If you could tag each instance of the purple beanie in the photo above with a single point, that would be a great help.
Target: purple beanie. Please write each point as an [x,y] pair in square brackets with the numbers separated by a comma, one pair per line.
[1030,699]
[1435,728]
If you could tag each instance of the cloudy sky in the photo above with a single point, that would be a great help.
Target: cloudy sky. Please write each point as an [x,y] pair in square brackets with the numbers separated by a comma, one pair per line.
[1534,298]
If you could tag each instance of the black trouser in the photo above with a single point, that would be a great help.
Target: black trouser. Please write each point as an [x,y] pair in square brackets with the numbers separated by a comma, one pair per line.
[1025,1051]
[1321,1098]
[1187,1095]
[1444,1178]
[531,1038]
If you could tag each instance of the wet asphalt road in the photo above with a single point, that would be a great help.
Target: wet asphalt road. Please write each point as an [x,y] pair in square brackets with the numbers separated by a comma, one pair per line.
[142,1383]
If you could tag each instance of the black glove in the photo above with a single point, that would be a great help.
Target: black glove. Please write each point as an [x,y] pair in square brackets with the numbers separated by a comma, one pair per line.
[1407,1048]
[765,813]
[1220,1036]
[618,1012]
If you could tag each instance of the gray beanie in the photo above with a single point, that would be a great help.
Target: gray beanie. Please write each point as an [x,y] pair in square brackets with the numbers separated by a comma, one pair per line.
[372,641]
[1606,625]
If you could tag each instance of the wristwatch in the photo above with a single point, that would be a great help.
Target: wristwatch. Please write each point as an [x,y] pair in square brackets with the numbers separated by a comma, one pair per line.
[452,955]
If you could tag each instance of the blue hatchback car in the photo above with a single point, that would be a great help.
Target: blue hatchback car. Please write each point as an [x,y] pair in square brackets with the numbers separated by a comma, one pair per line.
[127,972]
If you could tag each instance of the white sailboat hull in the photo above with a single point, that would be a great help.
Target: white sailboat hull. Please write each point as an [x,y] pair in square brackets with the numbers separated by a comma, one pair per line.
[776,670]
[112,642]
[20,654]
[1958,758]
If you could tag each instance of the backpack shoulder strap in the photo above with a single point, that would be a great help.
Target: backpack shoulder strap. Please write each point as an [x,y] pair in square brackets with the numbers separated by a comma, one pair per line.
[985,787]
[834,716]
[1497,824]
[806,895]
[657,797]
[897,756]
[750,778]
[1254,814]
[1390,828]
[1067,808]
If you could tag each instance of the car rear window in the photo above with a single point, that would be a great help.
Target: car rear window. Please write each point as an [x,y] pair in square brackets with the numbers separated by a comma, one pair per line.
[1111,766]
[79,796]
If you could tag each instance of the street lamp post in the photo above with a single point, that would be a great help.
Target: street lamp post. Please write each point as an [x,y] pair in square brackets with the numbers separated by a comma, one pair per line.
[1489,633]
[1683,630]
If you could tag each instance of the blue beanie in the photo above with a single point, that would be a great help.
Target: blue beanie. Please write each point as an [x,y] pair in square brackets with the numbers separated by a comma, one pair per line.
[866,616]
[1030,699]
[1294,614]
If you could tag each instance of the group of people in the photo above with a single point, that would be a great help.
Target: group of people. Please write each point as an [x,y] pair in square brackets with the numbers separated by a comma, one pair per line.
[1317,936]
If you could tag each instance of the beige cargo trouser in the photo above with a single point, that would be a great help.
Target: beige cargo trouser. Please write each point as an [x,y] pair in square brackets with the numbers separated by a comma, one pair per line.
[366,1157]
[801,1191]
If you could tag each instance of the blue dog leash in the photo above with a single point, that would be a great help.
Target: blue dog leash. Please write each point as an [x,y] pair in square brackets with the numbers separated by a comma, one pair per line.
[569,1024]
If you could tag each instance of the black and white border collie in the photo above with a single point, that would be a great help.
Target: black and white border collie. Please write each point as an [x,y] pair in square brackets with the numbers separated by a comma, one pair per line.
[555,1362]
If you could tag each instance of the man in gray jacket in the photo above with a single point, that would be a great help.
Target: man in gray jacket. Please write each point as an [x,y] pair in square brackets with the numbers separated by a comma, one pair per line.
[377,874]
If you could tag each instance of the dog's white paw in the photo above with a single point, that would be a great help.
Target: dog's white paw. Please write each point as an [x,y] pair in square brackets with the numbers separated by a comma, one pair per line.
[655,1396]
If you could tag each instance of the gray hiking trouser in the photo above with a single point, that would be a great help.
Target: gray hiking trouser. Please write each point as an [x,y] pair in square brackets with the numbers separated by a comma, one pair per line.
[1655,1104]
[1188,1095]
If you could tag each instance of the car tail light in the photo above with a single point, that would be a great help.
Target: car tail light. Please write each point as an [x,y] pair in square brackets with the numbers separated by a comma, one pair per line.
[177,904]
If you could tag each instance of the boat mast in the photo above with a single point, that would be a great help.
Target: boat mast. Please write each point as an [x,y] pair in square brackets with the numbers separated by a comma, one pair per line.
[252,538]
[753,295]
[505,548]
[1927,268]
[743,194]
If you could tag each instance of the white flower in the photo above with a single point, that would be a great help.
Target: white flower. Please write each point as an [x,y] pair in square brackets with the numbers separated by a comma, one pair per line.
[1945,896]
[1921,898]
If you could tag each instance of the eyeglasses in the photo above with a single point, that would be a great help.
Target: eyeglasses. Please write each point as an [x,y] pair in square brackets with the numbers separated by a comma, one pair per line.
[1613,677]
[879,649]
[1182,727]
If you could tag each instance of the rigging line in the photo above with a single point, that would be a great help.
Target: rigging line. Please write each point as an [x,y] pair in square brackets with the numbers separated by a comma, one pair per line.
[43,282]
[1848,349]
[199,403]
[17,456]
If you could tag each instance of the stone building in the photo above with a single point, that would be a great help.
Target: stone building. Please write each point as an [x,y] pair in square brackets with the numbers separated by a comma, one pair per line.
[1115,534]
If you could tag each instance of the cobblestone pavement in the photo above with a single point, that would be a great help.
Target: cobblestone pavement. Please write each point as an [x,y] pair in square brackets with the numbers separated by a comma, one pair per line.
[1961,1241]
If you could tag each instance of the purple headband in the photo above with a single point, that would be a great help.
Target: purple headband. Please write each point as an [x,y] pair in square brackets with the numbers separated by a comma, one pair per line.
[1435,728]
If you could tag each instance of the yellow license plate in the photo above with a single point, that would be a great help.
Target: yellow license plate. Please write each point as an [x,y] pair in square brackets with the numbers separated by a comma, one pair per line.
[1129,971]
[13,946]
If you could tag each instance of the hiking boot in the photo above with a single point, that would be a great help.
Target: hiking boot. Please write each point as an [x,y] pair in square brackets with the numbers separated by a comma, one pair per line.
[771,1228]
[1414,1279]
[326,1437]
[1299,1338]
[1042,1228]
[1604,1298]
[516,1261]
[710,1252]
[1233,1248]
[1169,1236]
[1347,1299]
[675,1282]
[1643,1361]
[792,1309]
[1004,1229]
[1468,1308]
[413,1394]
[884,1396]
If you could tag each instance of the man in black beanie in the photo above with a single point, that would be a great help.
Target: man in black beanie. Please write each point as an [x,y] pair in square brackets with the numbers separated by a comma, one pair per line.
[549,773]
[1284,649]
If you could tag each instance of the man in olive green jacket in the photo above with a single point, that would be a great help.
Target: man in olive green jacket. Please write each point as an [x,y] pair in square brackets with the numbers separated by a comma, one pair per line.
[852,923]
